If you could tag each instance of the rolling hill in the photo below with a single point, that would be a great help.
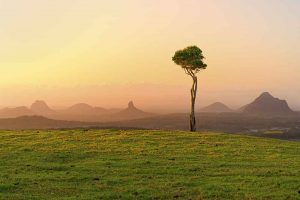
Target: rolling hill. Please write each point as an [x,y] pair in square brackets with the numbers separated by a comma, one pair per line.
[15,112]
[230,122]
[113,164]
[39,122]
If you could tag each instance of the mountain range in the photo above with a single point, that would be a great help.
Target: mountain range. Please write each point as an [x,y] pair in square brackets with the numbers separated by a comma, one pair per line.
[265,104]
[78,112]
[264,113]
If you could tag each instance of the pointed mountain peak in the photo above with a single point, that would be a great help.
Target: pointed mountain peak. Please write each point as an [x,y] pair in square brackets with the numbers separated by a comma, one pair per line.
[267,104]
[131,105]
[131,112]
[266,95]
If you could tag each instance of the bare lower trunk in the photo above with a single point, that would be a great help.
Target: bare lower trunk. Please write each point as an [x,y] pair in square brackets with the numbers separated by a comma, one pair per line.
[193,99]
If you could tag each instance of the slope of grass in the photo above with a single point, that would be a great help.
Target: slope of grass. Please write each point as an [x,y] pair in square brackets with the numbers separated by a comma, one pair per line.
[112,164]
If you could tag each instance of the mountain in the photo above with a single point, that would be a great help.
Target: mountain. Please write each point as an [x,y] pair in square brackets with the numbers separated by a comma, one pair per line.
[78,112]
[83,108]
[131,112]
[81,112]
[216,107]
[15,112]
[37,108]
[41,108]
[267,104]
[85,112]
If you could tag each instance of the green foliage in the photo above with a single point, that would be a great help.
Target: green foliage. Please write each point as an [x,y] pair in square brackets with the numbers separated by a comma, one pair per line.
[112,164]
[190,58]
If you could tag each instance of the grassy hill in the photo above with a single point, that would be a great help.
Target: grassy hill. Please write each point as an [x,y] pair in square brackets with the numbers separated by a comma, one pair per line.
[112,164]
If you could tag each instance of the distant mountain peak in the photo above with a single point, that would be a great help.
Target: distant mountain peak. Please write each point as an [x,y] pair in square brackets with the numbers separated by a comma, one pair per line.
[81,106]
[39,101]
[131,112]
[267,104]
[131,105]
[80,109]
[216,107]
[265,95]
[40,107]
[218,104]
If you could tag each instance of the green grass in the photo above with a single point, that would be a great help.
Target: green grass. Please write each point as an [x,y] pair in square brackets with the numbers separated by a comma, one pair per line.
[112,164]
[273,132]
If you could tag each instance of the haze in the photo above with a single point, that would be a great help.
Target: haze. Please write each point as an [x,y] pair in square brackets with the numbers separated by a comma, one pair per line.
[109,52]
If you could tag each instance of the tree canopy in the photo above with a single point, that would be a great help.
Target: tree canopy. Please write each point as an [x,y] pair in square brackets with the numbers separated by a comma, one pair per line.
[190,59]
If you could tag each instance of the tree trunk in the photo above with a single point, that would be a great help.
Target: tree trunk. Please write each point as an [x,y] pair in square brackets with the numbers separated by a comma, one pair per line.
[193,99]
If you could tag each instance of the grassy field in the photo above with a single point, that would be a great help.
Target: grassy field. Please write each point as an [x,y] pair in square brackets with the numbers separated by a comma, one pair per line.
[112,164]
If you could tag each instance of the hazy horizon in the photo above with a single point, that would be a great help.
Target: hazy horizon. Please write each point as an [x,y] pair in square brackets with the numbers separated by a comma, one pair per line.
[147,101]
[108,53]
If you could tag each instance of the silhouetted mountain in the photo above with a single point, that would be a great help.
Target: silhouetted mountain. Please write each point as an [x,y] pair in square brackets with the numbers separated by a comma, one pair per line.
[267,104]
[217,107]
[81,112]
[131,112]
[78,112]
[83,108]
[41,108]
[15,112]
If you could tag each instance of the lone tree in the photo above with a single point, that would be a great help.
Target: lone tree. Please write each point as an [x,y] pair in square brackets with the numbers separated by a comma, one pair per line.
[191,60]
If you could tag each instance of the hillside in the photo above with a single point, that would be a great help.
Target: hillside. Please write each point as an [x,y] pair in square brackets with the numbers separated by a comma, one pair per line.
[15,112]
[217,107]
[230,122]
[38,122]
[112,164]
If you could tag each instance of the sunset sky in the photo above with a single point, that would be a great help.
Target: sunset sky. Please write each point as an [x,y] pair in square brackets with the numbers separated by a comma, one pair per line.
[106,53]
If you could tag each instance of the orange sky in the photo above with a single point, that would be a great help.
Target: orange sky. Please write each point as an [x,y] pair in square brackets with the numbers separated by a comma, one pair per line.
[109,52]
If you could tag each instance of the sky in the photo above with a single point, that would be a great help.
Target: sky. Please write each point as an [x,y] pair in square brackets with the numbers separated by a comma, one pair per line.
[107,53]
